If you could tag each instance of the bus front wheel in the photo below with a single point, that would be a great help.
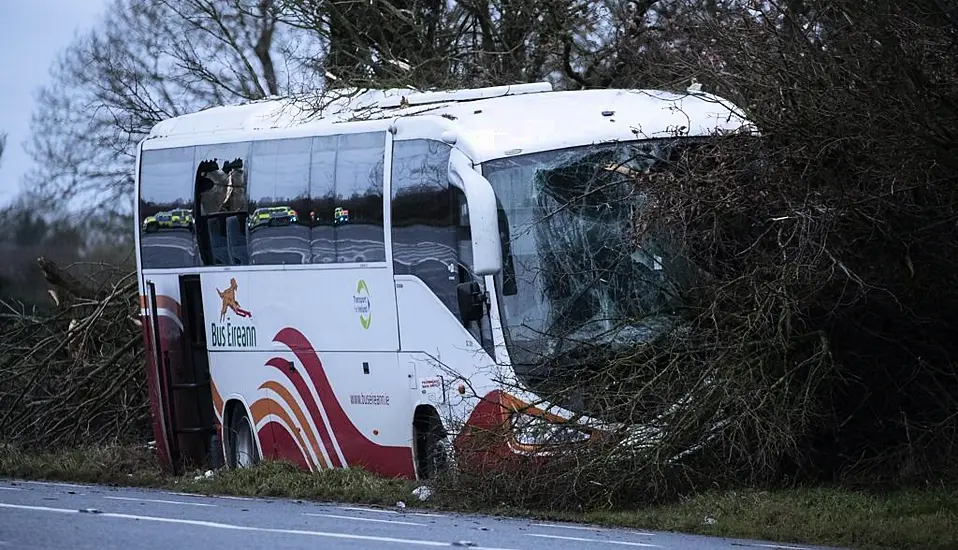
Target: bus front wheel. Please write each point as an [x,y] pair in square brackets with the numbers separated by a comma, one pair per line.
[433,451]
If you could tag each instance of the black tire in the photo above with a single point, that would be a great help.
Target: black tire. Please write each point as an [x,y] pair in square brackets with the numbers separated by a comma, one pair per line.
[432,448]
[242,452]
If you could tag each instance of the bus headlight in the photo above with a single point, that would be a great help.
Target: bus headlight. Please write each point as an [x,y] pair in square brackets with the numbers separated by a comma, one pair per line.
[536,431]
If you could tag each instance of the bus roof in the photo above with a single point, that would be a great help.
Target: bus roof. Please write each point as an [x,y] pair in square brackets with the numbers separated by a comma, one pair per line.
[495,122]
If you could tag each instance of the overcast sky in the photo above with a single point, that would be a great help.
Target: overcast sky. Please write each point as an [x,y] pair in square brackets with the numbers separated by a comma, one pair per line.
[32,33]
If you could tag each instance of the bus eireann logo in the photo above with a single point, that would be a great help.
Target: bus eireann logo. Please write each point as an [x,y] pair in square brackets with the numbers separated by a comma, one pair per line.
[228,297]
[361,304]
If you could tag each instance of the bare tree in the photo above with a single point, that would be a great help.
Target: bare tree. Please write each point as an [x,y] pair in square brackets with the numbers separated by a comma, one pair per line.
[145,62]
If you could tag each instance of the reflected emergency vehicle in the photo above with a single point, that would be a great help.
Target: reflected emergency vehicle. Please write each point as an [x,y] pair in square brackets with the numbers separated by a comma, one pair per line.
[272,215]
[171,219]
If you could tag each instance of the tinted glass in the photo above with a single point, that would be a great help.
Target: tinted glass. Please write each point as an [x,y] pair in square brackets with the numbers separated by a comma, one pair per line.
[424,217]
[358,210]
[166,209]
[220,178]
[346,198]
[278,231]
[322,193]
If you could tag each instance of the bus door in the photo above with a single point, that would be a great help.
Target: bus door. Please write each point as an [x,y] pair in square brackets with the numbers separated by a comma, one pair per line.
[158,381]
[193,392]
[183,382]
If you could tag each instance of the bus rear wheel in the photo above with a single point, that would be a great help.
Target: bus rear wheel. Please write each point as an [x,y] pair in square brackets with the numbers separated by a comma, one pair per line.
[242,440]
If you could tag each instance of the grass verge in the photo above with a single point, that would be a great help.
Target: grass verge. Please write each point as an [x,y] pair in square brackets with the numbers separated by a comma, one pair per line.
[899,519]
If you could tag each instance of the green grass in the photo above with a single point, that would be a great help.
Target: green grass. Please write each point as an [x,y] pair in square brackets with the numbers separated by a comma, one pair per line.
[138,468]
[284,480]
[901,519]
[906,518]
[108,465]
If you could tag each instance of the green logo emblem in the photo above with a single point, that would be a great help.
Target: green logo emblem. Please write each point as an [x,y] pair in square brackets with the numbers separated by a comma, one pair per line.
[361,304]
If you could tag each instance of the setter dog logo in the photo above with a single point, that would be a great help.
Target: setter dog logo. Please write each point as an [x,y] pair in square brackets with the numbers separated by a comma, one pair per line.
[228,297]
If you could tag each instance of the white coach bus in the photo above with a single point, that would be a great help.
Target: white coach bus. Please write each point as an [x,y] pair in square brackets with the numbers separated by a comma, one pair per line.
[369,282]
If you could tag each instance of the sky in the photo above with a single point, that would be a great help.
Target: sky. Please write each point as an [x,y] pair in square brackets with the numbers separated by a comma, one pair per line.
[32,34]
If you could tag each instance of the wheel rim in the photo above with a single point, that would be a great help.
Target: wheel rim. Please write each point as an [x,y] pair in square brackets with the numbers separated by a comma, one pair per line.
[245,449]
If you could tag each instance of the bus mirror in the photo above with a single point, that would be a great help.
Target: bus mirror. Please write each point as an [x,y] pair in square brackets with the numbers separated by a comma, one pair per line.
[483,214]
[470,301]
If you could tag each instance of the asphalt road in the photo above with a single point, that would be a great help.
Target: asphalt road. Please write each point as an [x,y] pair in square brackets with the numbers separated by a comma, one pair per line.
[39,515]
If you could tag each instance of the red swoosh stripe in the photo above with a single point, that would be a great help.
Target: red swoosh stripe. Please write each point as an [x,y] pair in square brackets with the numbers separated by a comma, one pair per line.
[284,443]
[297,379]
[357,449]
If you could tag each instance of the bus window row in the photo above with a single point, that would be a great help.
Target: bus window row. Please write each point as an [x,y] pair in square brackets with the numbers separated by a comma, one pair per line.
[306,200]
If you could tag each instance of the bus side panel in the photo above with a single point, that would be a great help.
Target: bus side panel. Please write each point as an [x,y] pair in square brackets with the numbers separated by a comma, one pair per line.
[427,326]
[313,355]
[337,309]
[315,413]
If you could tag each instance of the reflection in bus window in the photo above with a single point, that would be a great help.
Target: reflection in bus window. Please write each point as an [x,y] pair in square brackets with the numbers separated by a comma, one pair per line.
[322,188]
[279,193]
[423,217]
[359,192]
[166,209]
[346,194]
[221,194]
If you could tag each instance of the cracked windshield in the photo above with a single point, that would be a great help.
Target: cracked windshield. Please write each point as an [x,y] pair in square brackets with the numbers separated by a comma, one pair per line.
[574,269]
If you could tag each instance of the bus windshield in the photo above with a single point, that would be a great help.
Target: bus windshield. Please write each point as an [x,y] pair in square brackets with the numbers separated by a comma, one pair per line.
[574,271]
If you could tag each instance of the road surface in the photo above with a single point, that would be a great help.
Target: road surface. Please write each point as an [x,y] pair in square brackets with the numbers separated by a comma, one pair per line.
[40,515]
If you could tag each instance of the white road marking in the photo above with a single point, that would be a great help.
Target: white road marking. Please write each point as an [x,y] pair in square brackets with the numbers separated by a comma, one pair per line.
[781,546]
[195,495]
[579,539]
[231,526]
[10,489]
[377,510]
[159,501]
[381,511]
[397,522]
[57,484]
[584,528]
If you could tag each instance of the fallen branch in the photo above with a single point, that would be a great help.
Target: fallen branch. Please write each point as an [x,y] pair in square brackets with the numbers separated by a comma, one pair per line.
[74,375]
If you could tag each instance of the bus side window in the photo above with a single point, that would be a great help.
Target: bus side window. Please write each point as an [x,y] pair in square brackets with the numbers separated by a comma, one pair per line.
[424,217]
[222,203]
[431,235]
[166,209]
[322,199]
[463,235]
[279,225]
[357,213]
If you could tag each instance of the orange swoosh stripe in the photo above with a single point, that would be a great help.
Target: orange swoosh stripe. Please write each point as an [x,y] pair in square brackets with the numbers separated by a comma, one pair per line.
[259,410]
[283,392]
[276,410]
[513,403]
